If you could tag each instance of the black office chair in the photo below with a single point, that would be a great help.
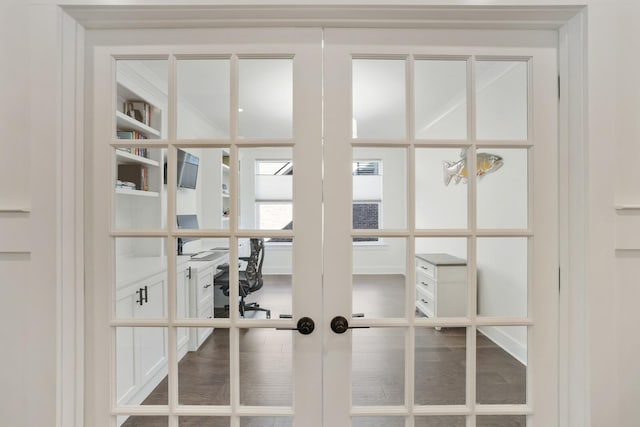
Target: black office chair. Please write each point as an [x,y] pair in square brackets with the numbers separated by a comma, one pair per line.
[250,278]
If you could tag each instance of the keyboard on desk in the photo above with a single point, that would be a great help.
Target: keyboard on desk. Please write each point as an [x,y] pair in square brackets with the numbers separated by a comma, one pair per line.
[207,255]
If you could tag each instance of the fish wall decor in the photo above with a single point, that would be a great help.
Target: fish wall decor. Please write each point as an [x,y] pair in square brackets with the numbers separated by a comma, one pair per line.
[457,171]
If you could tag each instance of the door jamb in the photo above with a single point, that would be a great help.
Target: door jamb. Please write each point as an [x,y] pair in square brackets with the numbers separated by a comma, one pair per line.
[68,101]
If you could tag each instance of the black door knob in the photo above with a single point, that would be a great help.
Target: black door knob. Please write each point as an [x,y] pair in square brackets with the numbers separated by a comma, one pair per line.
[306,325]
[339,325]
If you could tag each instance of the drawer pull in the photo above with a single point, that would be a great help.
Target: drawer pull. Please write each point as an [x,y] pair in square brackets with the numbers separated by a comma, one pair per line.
[143,295]
[424,300]
[207,285]
[425,283]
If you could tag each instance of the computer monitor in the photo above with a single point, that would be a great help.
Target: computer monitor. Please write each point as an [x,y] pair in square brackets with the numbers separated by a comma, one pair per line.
[188,221]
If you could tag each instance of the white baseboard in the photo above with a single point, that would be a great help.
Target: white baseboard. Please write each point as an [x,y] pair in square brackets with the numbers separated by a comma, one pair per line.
[507,342]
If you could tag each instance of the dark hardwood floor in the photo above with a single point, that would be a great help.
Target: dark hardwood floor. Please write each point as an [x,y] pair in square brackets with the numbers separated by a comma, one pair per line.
[378,366]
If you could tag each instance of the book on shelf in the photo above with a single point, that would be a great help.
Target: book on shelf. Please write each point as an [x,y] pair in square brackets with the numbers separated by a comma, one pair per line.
[136,174]
[130,134]
[138,110]
[137,151]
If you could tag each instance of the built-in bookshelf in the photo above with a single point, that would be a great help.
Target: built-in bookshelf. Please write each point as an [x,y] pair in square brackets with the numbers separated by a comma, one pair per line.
[136,172]
[138,167]
[135,117]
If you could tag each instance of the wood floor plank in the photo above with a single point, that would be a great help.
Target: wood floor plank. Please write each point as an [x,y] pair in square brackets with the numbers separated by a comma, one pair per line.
[378,372]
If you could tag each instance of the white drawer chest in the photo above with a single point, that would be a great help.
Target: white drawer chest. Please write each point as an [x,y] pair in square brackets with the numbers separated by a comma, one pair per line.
[441,285]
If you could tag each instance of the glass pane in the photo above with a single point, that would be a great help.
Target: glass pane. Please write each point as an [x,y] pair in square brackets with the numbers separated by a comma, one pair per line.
[141,278]
[203,186]
[265,273]
[502,276]
[204,422]
[203,368]
[378,356]
[271,351]
[141,98]
[266,422]
[379,188]
[440,421]
[503,196]
[266,98]
[440,358]
[266,188]
[441,99]
[501,421]
[379,99]
[441,202]
[203,87]
[501,91]
[379,278]
[141,365]
[501,365]
[198,294]
[378,422]
[142,421]
[441,277]
[139,201]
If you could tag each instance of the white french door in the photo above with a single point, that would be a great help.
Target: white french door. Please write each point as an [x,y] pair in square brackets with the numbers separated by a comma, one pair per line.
[352,156]
[465,141]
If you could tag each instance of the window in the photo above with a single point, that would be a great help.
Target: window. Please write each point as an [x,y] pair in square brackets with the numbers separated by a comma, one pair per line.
[274,194]
[274,190]
[367,197]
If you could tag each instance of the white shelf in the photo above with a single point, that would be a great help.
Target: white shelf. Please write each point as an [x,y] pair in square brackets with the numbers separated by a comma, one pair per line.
[127,157]
[125,122]
[137,192]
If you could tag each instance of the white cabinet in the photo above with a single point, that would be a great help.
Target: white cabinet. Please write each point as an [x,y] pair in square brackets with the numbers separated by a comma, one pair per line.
[441,285]
[182,301]
[142,352]
[225,190]
[201,297]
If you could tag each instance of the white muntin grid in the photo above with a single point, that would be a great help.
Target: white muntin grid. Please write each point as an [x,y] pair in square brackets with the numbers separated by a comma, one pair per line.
[172,410]
[472,321]
[170,323]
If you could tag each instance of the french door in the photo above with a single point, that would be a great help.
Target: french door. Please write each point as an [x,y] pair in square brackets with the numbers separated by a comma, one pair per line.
[398,190]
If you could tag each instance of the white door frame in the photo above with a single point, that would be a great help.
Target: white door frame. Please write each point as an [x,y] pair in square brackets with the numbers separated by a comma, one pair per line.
[58,50]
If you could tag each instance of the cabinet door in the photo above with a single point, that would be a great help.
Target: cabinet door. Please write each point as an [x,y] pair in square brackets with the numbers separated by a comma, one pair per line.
[152,341]
[205,287]
[182,309]
[125,345]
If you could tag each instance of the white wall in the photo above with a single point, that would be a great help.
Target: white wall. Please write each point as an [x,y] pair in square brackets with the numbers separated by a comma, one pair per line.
[612,317]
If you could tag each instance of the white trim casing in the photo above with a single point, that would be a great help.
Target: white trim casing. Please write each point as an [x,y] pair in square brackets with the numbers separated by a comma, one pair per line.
[67,197]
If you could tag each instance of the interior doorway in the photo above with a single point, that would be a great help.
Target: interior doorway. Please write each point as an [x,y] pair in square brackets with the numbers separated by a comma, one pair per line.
[326,271]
